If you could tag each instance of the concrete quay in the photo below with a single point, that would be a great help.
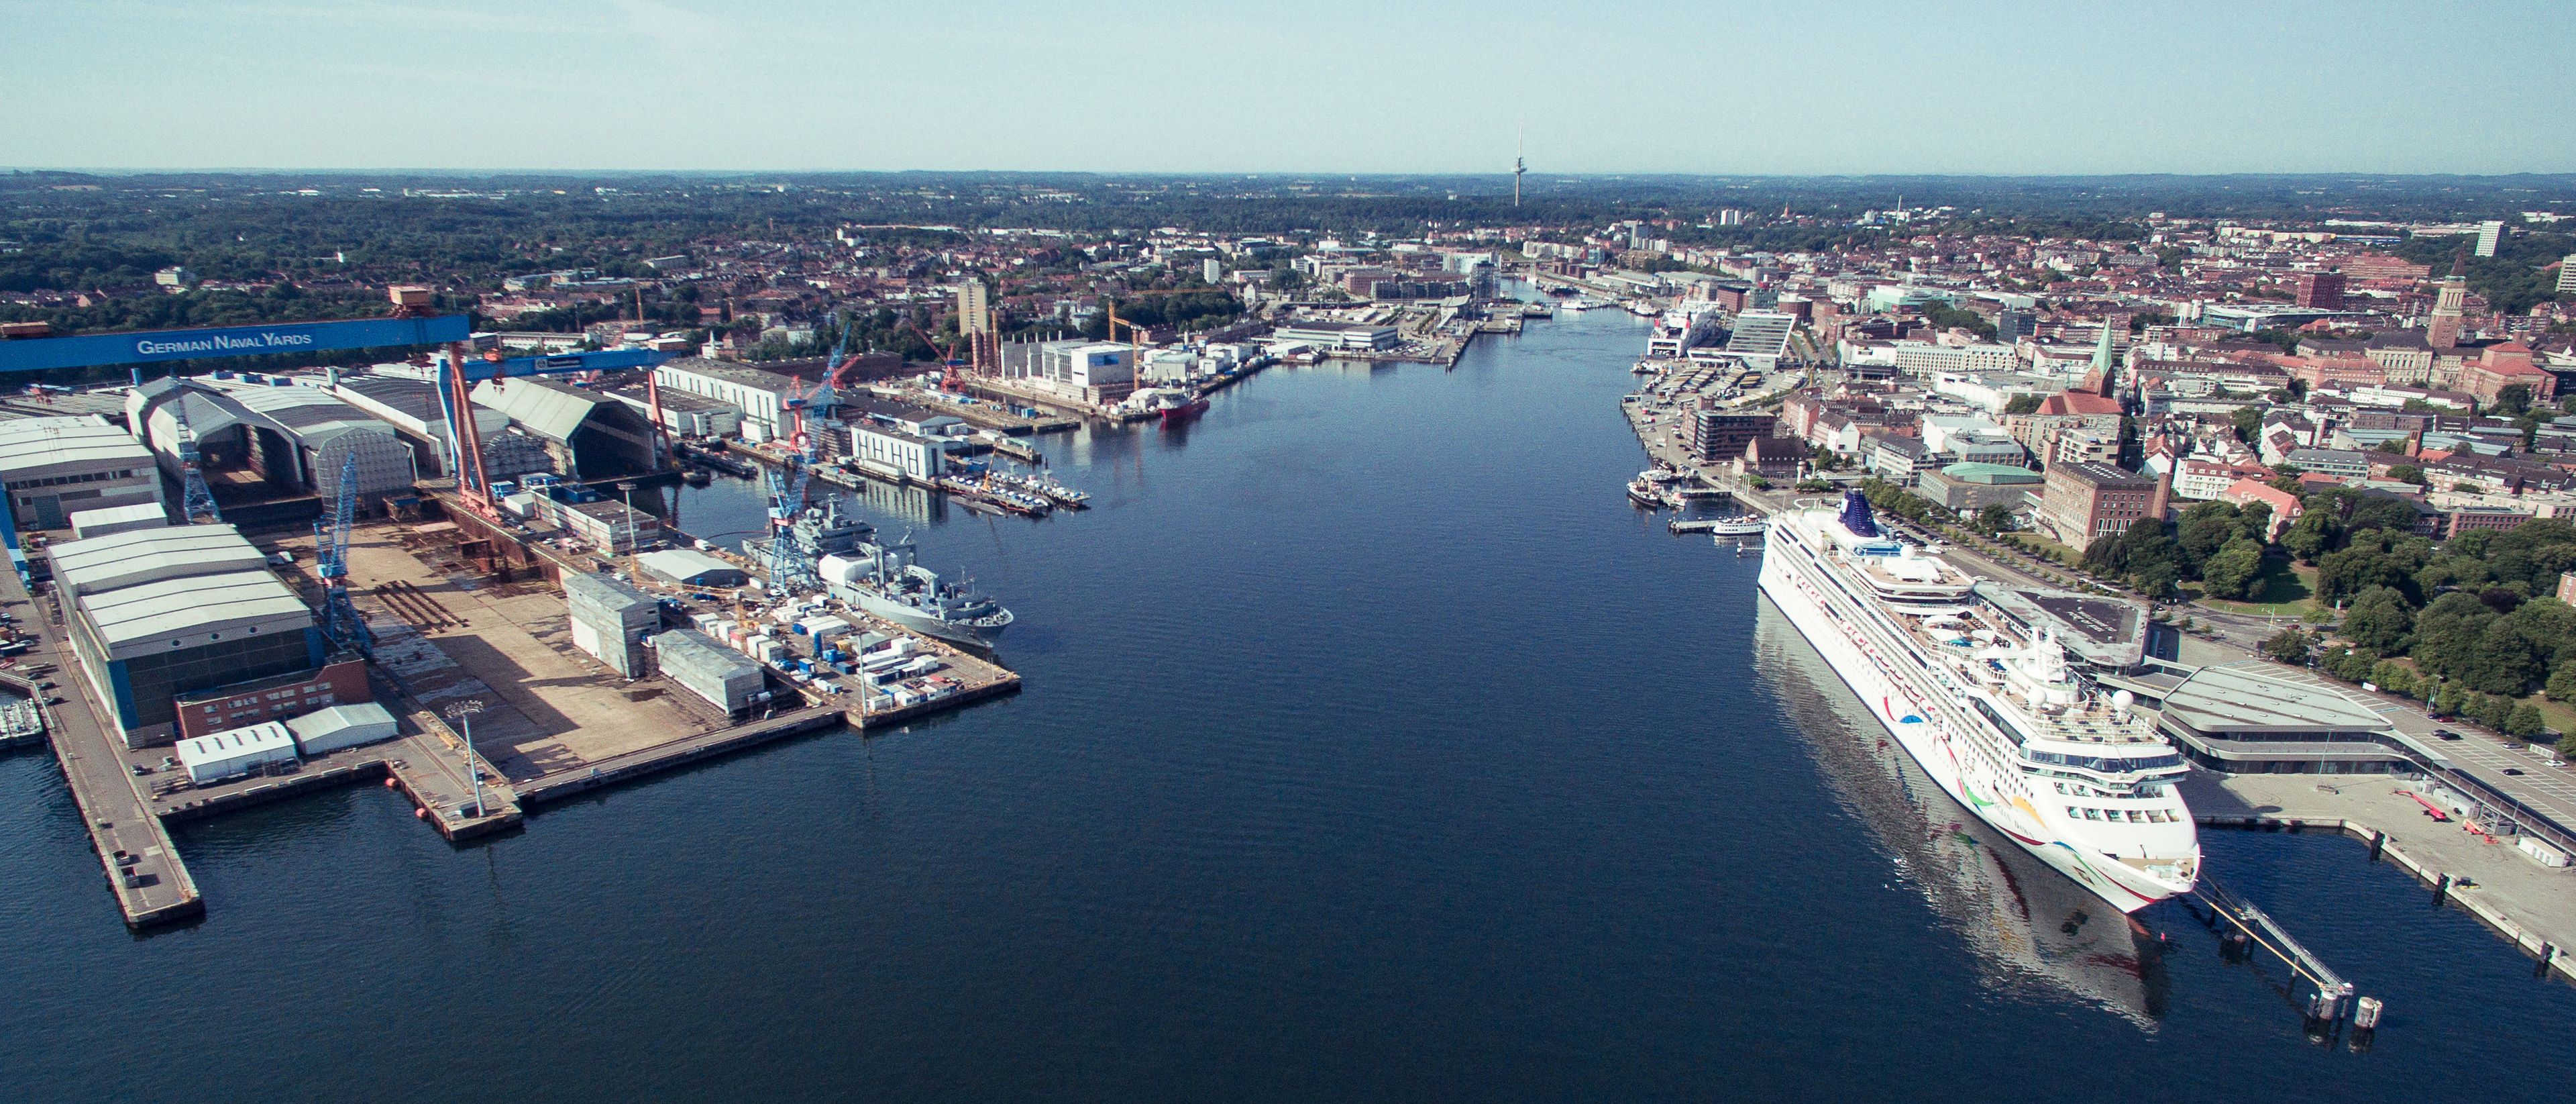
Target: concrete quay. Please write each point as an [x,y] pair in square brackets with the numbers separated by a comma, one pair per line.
[630,766]
[142,865]
[2527,903]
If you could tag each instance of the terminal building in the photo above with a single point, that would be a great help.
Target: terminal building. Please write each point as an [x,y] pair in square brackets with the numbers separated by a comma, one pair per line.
[57,467]
[2242,721]
[191,617]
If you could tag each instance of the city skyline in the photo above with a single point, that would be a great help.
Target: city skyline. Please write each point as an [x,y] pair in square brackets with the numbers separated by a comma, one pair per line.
[637,85]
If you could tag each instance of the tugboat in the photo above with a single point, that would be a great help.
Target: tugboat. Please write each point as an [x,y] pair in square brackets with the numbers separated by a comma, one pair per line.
[1179,406]
[1644,492]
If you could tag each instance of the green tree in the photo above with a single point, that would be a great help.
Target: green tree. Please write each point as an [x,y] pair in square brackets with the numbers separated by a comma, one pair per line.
[1995,518]
[2022,404]
[2248,421]
[2524,721]
[2379,619]
[2408,473]
[2313,535]
[2562,682]
[2290,645]
[2232,572]
[2447,633]
[2393,677]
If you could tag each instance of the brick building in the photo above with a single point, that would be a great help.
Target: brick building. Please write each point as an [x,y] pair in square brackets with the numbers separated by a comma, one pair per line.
[248,703]
[1716,436]
[2082,501]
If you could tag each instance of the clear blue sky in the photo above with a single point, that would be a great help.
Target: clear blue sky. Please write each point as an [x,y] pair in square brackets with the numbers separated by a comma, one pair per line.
[1785,86]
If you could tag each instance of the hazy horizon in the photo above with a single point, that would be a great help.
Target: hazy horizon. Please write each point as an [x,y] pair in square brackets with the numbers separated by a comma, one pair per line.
[2009,88]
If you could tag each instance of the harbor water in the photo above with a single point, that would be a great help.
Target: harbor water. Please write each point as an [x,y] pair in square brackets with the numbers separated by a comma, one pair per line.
[1373,747]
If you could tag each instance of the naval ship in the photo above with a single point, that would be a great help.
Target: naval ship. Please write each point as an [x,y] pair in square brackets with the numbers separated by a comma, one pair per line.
[886,580]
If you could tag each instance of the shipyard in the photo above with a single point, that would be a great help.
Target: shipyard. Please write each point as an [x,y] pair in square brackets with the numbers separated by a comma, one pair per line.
[457,596]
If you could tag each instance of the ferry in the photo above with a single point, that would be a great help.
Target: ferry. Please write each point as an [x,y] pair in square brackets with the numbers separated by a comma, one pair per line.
[1991,712]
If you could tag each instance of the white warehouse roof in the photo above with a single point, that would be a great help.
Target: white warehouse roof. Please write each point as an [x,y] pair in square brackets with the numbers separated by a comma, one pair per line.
[550,409]
[110,520]
[30,445]
[145,555]
[233,751]
[193,611]
[682,565]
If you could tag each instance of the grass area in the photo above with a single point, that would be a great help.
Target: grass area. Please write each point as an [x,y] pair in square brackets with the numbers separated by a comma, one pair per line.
[2065,557]
[2285,589]
[2558,716]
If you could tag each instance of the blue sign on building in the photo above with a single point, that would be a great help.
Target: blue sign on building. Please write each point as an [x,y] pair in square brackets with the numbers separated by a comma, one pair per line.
[154,346]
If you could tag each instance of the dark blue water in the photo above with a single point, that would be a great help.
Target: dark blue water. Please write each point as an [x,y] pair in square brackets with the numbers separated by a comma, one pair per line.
[1373,748]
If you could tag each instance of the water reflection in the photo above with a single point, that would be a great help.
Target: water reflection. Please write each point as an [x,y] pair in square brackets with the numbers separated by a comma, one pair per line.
[2028,924]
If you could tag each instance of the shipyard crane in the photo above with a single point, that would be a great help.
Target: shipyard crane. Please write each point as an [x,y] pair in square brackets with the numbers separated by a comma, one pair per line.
[197,501]
[340,620]
[790,567]
[950,380]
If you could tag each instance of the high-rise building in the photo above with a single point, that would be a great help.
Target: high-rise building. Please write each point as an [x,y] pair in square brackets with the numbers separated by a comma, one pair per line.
[1730,217]
[974,308]
[2013,324]
[2567,275]
[1212,270]
[2320,290]
[2489,233]
[2443,330]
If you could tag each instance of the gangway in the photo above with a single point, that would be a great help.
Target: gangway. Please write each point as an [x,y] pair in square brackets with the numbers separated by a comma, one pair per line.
[2333,998]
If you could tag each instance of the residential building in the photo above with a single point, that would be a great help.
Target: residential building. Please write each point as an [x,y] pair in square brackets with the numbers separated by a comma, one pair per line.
[2335,462]
[1716,436]
[2321,290]
[1894,457]
[1773,458]
[2285,507]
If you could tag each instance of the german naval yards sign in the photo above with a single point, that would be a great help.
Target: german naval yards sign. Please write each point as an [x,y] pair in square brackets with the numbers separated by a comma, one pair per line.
[89,350]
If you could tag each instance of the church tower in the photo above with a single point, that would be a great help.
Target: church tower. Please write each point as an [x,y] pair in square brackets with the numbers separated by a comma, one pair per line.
[2443,331]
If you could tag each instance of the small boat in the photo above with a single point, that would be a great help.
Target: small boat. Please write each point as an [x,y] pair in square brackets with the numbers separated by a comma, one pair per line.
[1645,494]
[699,477]
[1746,525]
[1643,309]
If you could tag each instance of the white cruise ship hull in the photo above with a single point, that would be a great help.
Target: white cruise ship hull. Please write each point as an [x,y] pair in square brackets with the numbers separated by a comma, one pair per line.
[1894,704]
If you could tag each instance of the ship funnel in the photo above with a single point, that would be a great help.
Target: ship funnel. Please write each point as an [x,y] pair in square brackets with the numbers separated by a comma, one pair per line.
[1856,516]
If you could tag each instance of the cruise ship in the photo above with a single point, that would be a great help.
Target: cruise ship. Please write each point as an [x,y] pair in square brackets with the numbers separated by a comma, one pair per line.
[2031,929]
[1991,712]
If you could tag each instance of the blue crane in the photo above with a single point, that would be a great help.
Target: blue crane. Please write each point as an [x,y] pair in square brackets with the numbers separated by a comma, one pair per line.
[340,620]
[197,501]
